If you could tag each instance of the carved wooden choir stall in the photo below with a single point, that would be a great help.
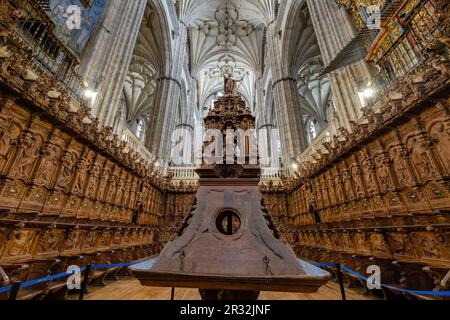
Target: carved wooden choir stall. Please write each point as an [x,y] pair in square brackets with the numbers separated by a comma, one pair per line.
[70,192]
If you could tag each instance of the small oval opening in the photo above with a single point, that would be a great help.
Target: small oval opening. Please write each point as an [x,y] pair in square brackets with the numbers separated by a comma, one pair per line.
[228,222]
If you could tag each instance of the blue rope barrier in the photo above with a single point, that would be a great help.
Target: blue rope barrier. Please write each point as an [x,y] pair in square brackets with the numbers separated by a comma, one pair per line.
[425,293]
[49,278]
[356,274]
[321,265]
[118,265]
[65,274]
[5,289]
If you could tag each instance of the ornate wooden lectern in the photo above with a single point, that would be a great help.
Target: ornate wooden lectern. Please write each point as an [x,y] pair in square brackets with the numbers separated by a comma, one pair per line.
[228,246]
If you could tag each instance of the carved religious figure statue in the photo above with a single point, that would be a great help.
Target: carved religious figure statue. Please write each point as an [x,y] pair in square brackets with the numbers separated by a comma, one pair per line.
[401,166]
[102,184]
[440,134]
[28,155]
[83,168]
[383,170]
[49,241]
[230,85]
[93,179]
[22,242]
[49,162]
[67,170]
[423,159]
[348,183]
[9,131]
[356,174]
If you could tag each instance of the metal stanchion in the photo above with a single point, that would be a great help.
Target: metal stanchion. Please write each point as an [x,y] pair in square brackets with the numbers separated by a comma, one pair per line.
[85,282]
[172,295]
[341,281]
[15,287]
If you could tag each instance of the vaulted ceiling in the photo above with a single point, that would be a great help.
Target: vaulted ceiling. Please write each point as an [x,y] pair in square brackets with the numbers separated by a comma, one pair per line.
[147,64]
[226,38]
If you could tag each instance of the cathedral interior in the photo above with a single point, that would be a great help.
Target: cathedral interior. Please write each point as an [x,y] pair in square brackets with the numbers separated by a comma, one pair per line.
[108,108]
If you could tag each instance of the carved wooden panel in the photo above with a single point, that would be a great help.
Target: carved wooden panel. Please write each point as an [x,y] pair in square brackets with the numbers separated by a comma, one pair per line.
[20,246]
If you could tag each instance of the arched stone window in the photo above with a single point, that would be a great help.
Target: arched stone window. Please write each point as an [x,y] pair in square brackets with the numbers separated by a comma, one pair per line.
[329,110]
[140,129]
[311,130]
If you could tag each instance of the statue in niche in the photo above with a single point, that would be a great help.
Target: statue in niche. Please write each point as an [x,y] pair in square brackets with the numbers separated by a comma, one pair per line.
[397,243]
[120,191]
[333,199]
[429,246]
[384,174]
[92,185]
[356,172]
[9,132]
[347,183]
[126,194]
[360,240]
[81,176]
[339,192]
[325,196]
[28,154]
[102,185]
[22,243]
[48,165]
[68,163]
[49,242]
[90,240]
[423,159]
[133,193]
[370,177]
[72,241]
[105,239]
[116,238]
[401,166]
[230,85]
[378,243]
[441,139]
[282,207]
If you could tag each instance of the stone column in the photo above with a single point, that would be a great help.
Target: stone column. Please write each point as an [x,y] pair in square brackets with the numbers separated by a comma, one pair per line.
[184,150]
[334,30]
[164,117]
[107,58]
[286,102]
[167,99]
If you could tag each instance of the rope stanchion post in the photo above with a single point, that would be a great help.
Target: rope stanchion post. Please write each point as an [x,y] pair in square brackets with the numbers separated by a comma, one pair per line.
[15,287]
[341,281]
[85,282]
